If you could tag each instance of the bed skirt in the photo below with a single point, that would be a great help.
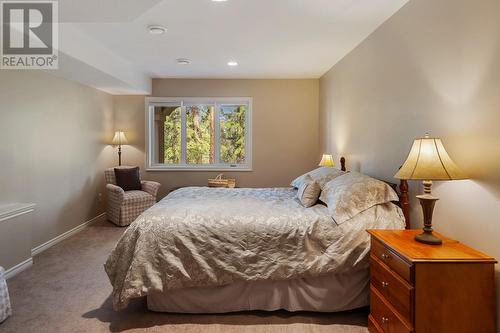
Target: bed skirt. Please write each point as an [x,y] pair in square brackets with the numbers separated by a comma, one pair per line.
[329,293]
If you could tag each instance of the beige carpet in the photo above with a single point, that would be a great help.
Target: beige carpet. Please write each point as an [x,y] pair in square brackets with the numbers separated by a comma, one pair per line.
[67,291]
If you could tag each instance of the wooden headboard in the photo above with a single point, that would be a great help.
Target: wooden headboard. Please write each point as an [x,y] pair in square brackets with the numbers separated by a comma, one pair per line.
[401,190]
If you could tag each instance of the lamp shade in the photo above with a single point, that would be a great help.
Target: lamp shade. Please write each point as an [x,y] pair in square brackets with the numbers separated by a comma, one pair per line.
[428,160]
[326,161]
[119,138]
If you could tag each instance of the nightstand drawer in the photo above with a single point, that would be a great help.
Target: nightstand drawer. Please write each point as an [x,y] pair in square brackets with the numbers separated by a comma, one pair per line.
[391,259]
[373,327]
[384,316]
[390,285]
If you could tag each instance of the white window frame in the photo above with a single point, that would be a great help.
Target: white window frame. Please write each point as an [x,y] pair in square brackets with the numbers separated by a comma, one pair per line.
[151,102]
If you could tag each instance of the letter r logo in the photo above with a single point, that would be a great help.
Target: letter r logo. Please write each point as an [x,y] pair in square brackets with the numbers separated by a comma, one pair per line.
[27,27]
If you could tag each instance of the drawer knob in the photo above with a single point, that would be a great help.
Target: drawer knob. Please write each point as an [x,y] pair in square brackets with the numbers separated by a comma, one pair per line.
[385,320]
[385,256]
[385,284]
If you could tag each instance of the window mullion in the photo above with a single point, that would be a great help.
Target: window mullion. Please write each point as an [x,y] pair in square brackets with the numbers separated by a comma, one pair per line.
[151,133]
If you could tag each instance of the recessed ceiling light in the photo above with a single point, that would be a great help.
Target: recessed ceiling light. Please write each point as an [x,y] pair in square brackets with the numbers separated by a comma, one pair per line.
[219,0]
[157,29]
[232,63]
[183,61]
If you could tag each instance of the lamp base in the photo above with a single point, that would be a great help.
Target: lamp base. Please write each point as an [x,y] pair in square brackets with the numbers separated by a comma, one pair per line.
[428,238]
[427,201]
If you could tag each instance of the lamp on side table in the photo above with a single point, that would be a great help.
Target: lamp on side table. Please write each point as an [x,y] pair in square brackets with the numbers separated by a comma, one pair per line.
[326,161]
[428,161]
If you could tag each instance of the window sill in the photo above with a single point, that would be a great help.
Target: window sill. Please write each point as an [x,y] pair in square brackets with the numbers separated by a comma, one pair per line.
[215,169]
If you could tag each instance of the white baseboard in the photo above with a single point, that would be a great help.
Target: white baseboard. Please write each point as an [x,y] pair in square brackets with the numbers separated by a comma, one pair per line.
[18,268]
[61,237]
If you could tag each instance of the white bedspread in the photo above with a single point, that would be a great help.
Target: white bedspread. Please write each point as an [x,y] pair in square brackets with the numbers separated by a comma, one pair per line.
[202,237]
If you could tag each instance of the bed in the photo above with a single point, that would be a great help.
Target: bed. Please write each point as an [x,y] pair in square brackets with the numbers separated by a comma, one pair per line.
[207,250]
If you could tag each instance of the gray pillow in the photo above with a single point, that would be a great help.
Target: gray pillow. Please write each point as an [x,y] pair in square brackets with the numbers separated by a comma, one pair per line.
[308,192]
[350,194]
[321,175]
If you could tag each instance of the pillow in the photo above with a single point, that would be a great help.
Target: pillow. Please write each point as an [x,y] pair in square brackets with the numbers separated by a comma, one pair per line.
[321,175]
[128,178]
[350,194]
[308,192]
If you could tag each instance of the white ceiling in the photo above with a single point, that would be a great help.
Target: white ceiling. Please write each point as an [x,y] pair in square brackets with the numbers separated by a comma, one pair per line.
[268,38]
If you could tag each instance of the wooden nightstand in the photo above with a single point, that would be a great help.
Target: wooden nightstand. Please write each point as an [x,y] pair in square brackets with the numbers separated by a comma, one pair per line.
[422,288]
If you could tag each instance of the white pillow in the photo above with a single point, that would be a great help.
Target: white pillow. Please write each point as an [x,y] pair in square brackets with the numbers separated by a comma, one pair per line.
[321,175]
[308,192]
[352,193]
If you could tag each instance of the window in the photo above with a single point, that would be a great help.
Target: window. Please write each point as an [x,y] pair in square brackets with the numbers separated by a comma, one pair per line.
[199,133]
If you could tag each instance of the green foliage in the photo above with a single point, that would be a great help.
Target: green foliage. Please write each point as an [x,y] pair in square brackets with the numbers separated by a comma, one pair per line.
[200,140]
[199,131]
[172,138]
[232,134]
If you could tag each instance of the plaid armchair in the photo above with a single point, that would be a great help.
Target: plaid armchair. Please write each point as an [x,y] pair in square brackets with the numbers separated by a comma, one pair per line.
[5,309]
[125,207]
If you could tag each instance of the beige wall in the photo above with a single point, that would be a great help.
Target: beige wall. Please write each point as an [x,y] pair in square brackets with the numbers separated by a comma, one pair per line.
[285,124]
[52,149]
[434,66]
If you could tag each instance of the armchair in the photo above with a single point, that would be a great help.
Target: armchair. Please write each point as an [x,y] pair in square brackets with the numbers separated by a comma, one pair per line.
[125,206]
[5,308]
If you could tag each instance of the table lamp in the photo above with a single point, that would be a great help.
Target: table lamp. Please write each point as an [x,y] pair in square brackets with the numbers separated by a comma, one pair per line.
[428,161]
[326,161]
[118,140]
